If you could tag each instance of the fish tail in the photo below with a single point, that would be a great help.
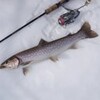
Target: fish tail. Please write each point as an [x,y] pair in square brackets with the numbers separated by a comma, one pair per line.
[86,28]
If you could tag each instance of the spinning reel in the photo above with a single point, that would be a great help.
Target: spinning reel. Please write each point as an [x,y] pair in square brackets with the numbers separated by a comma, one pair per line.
[71,15]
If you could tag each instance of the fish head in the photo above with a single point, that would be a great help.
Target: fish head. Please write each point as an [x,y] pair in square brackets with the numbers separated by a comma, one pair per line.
[12,63]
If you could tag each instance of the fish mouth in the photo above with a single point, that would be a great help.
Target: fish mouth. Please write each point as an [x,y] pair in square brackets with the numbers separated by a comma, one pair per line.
[11,63]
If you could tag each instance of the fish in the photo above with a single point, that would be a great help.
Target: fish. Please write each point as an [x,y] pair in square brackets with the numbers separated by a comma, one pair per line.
[48,50]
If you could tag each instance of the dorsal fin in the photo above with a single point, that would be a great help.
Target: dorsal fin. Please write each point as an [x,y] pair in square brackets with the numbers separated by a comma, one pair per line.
[69,34]
[42,42]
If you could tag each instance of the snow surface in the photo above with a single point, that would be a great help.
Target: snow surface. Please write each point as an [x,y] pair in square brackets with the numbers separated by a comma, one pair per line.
[76,76]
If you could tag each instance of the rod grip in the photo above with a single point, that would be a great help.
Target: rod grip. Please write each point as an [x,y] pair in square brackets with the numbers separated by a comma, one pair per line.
[55,6]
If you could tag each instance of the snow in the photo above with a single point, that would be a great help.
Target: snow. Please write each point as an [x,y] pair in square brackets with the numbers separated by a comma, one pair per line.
[74,77]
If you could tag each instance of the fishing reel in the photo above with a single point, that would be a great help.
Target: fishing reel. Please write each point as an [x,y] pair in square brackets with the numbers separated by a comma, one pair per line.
[71,15]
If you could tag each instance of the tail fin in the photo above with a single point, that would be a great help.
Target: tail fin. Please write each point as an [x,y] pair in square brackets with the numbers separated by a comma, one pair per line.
[86,28]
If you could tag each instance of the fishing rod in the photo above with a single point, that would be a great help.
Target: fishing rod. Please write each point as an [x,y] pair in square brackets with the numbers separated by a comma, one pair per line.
[46,12]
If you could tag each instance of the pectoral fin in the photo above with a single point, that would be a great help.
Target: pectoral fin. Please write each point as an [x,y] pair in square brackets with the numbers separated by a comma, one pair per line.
[25,70]
[54,59]
[26,63]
